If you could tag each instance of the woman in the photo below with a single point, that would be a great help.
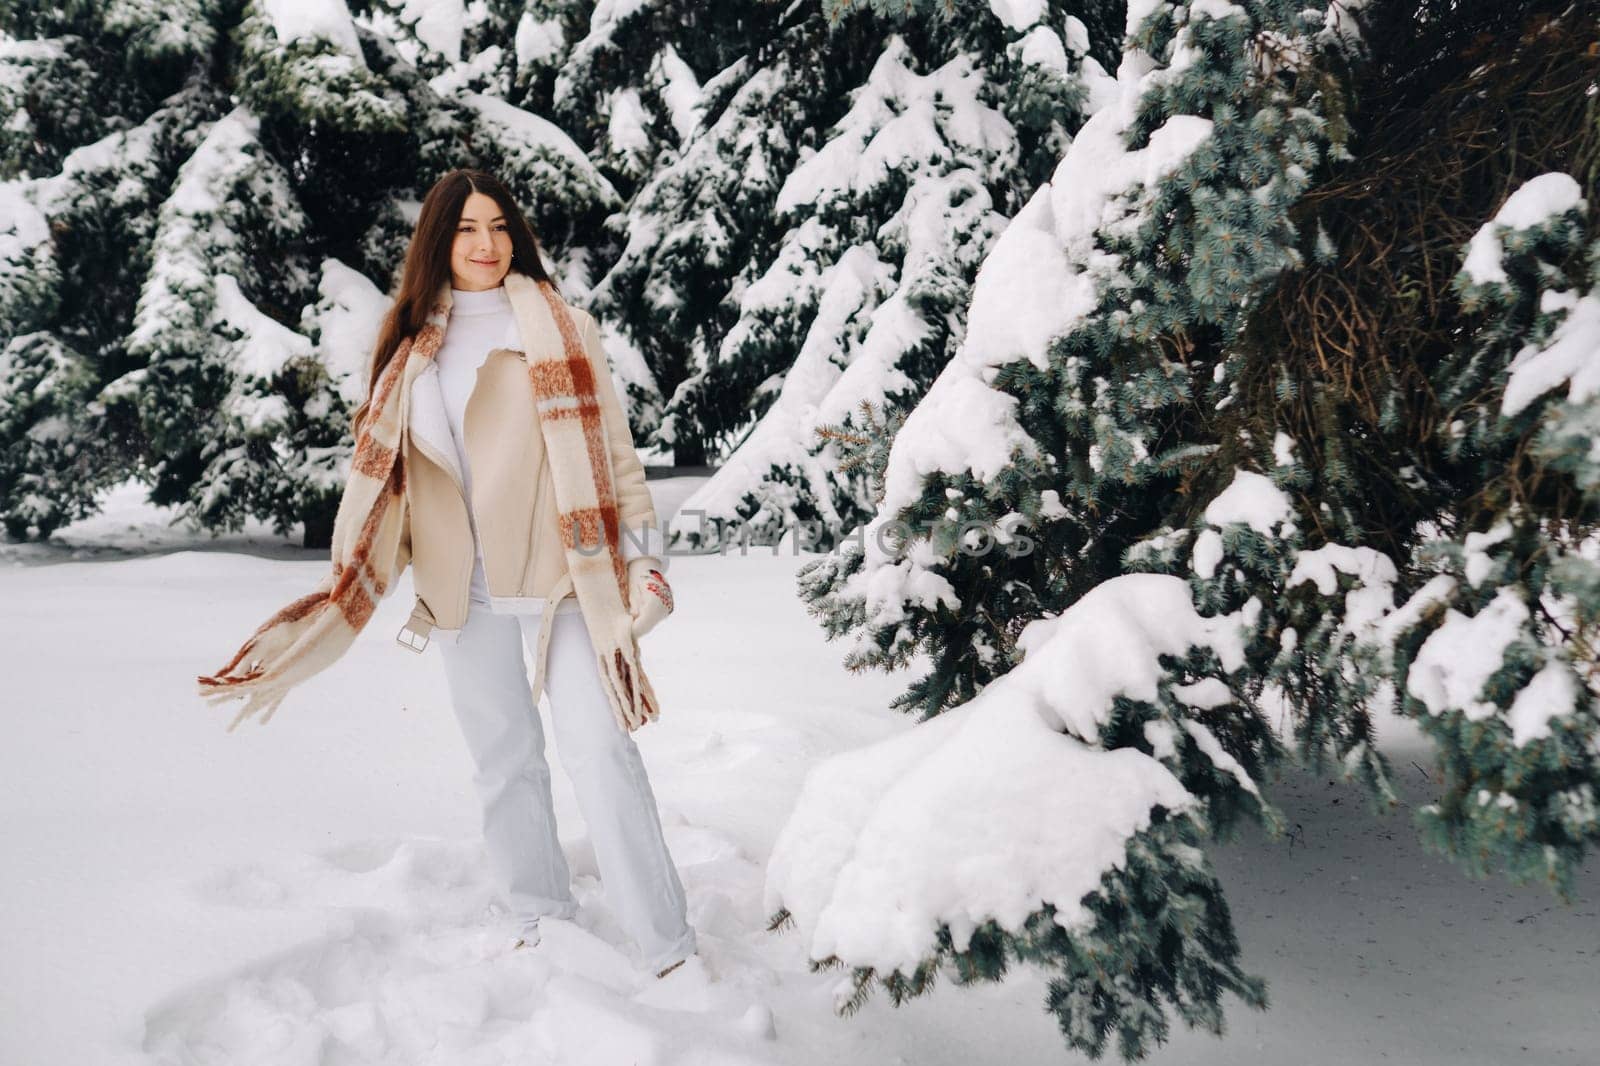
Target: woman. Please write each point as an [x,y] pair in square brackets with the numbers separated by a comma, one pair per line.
[494,458]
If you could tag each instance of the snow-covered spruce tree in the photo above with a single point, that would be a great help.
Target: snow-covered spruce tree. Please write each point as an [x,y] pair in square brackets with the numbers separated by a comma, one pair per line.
[1497,654]
[80,186]
[40,123]
[210,389]
[883,230]
[45,478]
[1069,411]
[699,230]
[1434,496]
[1059,437]
[625,79]
[128,218]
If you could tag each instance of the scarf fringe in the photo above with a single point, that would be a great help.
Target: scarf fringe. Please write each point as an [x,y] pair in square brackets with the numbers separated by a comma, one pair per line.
[258,671]
[263,701]
[619,668]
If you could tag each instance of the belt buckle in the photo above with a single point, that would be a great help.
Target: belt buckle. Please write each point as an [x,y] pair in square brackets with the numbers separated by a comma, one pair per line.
[411,644]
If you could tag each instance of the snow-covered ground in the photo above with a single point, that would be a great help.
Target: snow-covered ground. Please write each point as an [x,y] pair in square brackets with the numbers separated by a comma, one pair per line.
[313,891]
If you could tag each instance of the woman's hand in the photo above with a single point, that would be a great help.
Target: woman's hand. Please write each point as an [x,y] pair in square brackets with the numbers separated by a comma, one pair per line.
[649,595]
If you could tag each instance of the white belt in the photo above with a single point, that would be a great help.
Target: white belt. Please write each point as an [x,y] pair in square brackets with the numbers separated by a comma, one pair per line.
[562,590]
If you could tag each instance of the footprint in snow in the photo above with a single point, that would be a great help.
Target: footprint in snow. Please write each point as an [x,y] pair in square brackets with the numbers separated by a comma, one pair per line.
[414,968]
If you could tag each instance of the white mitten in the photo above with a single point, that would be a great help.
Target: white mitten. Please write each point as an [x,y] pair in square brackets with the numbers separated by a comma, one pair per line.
[649,595]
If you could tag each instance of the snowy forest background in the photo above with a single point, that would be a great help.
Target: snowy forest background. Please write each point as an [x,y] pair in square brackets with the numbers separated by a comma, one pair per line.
[1172,390]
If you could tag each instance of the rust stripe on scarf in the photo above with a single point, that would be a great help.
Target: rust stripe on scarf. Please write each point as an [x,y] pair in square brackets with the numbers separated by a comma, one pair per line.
[553,378]
[626,675]
[350,590]
[292,613]
[356,604]
[590,524]
[373,459]
[396,487]
[388,380]
[224,682]
[594,442]
[429,338]
[583,409]
[369,529]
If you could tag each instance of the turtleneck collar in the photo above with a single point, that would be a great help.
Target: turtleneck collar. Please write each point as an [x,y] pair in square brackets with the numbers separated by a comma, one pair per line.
[484,302]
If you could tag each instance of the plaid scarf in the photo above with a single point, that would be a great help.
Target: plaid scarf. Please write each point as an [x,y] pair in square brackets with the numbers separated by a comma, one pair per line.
[311,633]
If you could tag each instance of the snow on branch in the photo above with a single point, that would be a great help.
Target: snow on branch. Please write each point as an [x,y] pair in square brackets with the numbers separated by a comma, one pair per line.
[1002,805]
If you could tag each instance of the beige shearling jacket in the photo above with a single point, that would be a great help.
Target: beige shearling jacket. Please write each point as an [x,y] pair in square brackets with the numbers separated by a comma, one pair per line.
[513,504]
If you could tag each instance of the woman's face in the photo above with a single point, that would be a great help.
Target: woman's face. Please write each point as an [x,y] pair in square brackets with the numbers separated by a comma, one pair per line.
[481,254]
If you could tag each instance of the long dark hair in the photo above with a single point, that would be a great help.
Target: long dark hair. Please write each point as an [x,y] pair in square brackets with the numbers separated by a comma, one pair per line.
[427,266]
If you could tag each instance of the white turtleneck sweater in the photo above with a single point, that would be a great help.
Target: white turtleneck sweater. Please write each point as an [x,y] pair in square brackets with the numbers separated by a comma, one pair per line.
[478,324]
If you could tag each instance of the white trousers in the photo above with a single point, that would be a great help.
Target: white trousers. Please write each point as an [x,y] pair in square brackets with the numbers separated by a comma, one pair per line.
[490,691]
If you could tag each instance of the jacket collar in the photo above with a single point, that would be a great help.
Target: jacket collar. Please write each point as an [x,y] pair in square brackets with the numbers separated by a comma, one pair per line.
[428,423]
